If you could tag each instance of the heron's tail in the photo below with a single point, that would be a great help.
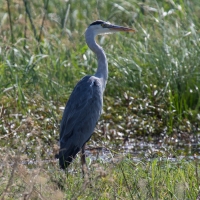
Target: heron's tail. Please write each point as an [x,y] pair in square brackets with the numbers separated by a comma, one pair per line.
[66,155]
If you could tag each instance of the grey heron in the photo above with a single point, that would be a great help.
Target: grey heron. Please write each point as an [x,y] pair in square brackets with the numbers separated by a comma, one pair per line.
[84,106]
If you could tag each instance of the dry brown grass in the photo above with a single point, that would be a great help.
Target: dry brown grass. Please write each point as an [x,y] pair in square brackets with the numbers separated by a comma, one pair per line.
[19,181]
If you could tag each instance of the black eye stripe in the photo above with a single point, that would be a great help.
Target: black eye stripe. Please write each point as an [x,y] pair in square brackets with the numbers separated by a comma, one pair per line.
[97,22]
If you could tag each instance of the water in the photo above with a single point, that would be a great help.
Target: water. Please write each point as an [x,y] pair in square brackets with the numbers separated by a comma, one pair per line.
[139,149]
[172,148]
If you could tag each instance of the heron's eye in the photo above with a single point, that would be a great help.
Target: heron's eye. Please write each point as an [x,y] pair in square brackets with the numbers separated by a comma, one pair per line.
[103,25]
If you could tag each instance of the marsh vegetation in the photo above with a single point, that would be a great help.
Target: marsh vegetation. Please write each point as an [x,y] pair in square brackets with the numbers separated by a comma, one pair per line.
[152,95]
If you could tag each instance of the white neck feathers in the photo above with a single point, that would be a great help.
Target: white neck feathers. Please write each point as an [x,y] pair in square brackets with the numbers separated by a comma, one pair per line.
[102,69]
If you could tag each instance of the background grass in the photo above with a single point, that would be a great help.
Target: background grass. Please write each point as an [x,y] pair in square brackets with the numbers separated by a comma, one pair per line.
[153,90]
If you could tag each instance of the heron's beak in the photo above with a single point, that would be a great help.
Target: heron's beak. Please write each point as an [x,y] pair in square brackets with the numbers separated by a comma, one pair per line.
[118,28]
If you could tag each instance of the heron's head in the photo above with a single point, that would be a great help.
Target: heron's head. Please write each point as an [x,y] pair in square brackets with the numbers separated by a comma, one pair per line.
[100,27]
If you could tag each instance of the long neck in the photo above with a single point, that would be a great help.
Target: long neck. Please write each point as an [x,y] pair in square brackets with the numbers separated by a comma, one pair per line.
[102,69]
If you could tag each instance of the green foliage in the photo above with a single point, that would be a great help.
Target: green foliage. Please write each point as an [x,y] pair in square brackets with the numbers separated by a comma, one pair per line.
[155,178]
[153,89]
[159,63]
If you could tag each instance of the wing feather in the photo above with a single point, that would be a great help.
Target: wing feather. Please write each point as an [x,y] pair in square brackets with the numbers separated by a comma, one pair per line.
[82,110]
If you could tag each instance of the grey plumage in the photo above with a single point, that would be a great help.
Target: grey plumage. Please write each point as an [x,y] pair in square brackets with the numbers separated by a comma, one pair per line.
[84,106]
[81,114]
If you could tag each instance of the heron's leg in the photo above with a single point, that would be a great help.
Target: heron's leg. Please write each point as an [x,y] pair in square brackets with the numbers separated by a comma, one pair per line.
[83,163]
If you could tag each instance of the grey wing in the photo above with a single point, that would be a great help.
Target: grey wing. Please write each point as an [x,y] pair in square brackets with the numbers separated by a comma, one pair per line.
[82,111]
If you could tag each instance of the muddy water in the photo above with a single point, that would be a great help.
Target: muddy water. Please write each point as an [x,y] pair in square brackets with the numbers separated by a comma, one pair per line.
[142,148]
[173,148]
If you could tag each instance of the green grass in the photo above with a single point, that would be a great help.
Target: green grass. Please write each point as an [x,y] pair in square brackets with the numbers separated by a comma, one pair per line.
[159,63]
[152,90]
[121,179]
